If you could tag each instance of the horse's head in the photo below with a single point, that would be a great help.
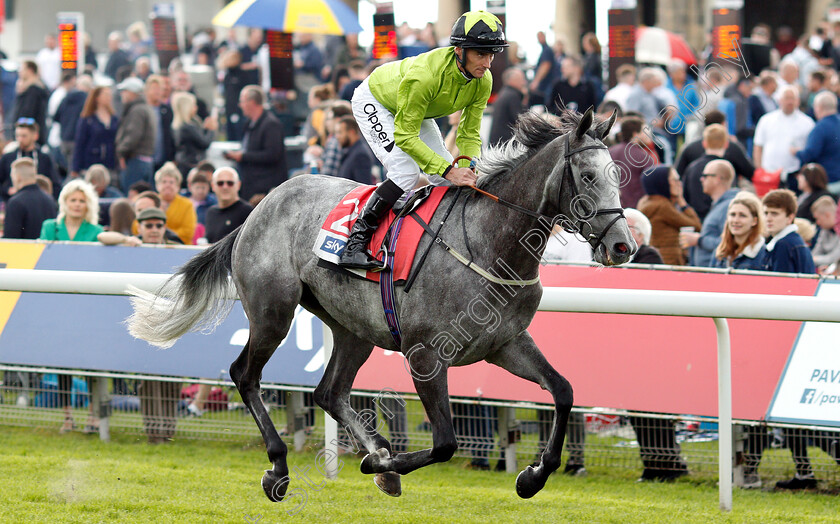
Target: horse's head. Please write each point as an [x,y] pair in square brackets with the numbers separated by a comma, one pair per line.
[588,187]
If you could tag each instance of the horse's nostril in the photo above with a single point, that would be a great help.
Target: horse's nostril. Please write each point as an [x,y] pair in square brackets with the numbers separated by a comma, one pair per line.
[621,248]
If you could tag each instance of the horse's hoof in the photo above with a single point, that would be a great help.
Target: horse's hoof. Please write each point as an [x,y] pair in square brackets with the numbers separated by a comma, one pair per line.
[529,482]
[389,483]
[274,486]
[372,463]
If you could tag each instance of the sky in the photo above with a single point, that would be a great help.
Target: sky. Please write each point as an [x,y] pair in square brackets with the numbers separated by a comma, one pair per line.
[523,19]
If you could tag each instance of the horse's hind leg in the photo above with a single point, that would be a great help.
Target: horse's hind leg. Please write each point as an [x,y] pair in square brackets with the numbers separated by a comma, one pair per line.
[265,335]
[333,394]
[522,357]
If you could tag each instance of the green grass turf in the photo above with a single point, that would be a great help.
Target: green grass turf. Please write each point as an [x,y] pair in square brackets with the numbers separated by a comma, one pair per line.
[46,477]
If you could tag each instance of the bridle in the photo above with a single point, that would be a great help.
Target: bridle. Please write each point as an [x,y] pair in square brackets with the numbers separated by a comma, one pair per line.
[577,226]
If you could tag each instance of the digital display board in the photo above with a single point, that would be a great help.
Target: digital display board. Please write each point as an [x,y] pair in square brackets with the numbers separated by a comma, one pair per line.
[280,62]
[727,28]
[165,34]
[385,36]
[622,40]
[68,41]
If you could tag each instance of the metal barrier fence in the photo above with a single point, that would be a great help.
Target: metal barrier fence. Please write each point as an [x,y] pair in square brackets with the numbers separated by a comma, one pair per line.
[610,437]
[673,303]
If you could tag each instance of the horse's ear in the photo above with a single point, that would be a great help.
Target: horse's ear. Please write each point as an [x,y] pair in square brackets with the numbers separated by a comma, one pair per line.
[585,123]
[602,129]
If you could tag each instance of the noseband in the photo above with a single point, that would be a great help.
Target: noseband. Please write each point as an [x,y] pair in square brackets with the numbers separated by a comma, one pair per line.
[567,170]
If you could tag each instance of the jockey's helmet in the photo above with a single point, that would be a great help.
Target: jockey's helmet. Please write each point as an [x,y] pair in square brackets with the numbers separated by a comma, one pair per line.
[478,30]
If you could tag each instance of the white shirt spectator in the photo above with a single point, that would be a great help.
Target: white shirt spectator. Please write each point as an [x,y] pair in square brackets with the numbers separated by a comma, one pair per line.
[563,246]
[827,249]
[777,133]
[619,94]
[49,66]
[57,96]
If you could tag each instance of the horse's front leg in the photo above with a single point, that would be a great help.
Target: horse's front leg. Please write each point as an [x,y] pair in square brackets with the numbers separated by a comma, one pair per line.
[430,381]
[522,357]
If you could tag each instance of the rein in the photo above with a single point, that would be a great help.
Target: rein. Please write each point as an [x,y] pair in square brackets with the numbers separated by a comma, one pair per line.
[567,169]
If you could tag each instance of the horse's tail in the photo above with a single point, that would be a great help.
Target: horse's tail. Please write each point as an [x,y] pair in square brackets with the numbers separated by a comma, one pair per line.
[197,294]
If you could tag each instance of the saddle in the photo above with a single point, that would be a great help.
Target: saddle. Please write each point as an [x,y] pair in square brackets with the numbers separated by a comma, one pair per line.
[395,238]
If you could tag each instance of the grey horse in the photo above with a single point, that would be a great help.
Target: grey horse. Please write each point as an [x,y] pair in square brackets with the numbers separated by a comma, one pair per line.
[547,173]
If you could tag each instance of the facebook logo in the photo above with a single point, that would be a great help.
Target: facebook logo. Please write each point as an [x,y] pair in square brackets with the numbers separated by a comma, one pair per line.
[808,396]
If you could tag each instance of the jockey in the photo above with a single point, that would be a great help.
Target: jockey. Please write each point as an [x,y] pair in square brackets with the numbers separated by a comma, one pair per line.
[395,107]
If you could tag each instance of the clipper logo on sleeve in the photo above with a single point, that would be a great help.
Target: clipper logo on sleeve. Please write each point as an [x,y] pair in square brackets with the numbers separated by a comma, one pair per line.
[377,132]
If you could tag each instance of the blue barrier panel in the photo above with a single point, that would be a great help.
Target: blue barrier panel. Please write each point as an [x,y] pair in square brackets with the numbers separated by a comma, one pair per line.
[87,332]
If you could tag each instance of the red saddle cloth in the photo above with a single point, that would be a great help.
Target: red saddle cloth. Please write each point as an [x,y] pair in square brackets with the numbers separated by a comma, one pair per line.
[340,220]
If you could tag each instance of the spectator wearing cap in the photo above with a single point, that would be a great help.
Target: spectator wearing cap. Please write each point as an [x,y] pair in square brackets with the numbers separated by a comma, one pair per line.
[27,210]
[823,144]
[145,200]
[152,227]
[31,98]
[135,142]
[26,136]
[231,211]
[158,400]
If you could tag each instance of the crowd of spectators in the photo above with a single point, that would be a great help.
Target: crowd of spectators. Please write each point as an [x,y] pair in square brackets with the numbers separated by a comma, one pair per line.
[728,180]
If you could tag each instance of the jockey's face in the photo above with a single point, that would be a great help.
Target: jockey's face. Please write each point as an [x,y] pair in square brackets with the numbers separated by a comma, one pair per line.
[476,61]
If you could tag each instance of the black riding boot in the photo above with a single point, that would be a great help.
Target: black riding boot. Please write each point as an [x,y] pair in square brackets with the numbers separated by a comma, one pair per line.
[355,254]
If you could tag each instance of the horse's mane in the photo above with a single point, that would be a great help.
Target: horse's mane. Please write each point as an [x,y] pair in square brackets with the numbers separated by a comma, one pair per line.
[531,132]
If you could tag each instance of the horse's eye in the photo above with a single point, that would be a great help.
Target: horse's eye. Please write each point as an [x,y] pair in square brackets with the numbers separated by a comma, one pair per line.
[588,177]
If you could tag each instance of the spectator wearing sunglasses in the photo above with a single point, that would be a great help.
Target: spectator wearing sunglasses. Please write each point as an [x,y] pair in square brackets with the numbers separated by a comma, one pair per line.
[231,211]
[152,231]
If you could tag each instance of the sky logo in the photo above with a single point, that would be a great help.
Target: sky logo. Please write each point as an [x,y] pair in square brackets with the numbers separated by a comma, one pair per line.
[333,245]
